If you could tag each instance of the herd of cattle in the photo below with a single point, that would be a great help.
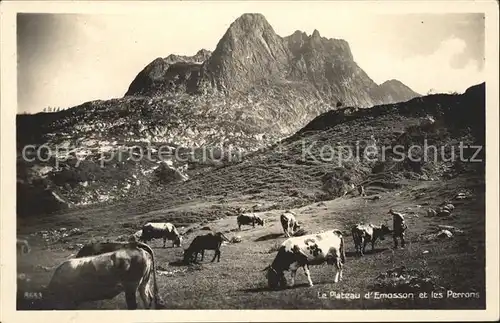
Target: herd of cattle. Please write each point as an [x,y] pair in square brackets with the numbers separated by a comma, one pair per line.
[104,270]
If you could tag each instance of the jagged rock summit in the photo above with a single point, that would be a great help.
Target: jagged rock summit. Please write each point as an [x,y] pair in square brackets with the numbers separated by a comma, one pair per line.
[251,58]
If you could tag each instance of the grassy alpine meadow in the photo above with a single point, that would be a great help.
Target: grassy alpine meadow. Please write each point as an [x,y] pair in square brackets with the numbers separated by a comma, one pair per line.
[450,270]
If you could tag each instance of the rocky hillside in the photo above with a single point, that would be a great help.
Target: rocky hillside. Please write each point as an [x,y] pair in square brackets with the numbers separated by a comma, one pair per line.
[192,114]
[306,167]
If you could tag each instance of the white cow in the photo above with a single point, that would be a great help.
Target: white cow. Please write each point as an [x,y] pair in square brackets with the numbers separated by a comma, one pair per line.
[311,249]
[105,276]
[163,231]
[289,223]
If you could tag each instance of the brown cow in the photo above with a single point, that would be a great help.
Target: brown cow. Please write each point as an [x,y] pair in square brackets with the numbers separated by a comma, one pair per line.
[363,234]
[104,276]
[201,243]
[249,219]
[289,223]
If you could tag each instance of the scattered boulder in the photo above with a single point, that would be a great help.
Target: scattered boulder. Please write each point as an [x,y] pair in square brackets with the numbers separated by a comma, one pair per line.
[443,212]
[57,235]
[463,195]
[404,279]
[165,174]
[450,228]
[448,206]
[236,239]
[443,234]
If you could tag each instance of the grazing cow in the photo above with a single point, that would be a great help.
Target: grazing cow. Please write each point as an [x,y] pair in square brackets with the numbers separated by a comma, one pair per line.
[22,246]
[105,276]
[201,243]
[289,223]
[98,248]
[163,231]
[398,228]
[249,219]
[362,234]
[311,249]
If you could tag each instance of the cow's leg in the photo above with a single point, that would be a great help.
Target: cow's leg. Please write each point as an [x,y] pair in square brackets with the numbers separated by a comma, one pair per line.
[373,244]
[308,275]
[336,271]
[130,297]
[364,242]
[216,255]
[164,242]
[202,254]
[402,239]
[293,273]
[239,227]
[340,267]
[395,239]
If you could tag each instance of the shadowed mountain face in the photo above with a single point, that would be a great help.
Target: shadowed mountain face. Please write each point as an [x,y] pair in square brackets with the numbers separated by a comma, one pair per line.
[253,90]
[251,57]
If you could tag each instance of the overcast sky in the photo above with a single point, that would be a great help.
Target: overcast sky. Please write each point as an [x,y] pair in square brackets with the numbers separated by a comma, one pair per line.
[67,59]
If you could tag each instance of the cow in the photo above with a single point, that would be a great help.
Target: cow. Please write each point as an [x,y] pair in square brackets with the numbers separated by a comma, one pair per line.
[249,219]
[304,251]
[209,241]
[289,223]
[105,276]
[398,228]
[98,248]
[163,231]
[22,246]
[363,234]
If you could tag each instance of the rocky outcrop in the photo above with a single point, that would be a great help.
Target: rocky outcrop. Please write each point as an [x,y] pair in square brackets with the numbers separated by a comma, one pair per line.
[173,72]
[251,57]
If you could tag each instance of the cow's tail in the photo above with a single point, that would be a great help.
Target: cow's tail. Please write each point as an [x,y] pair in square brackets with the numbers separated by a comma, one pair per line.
[342,250]
[156,298]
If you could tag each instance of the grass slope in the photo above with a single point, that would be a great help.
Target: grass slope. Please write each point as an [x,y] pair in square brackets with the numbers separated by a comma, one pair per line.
[237,281]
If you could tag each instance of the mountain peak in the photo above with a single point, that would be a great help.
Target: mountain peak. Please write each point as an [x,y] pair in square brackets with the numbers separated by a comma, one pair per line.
[251,22]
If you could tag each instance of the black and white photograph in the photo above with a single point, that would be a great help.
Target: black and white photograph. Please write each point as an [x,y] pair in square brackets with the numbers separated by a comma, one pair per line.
[239,155]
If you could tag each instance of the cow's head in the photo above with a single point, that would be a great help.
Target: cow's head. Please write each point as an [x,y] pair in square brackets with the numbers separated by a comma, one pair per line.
[187,257]
[178,241]
[384,229]
[222,237]
[275,279]
[259,221]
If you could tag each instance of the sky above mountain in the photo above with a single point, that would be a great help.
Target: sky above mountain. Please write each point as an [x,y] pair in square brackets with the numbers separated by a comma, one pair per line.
[67,59]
